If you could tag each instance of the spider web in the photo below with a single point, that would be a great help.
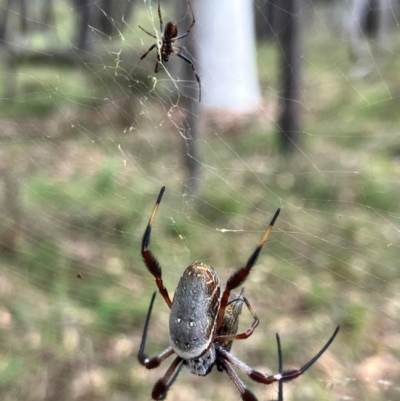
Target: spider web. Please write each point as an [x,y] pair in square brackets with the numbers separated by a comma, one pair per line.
[89,137]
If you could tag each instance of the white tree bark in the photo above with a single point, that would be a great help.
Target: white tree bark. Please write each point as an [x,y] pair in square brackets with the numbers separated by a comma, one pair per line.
[226,50]
[358,41]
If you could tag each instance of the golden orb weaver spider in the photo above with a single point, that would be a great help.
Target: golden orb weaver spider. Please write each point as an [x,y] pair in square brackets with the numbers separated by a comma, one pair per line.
[203,323]
[167,47]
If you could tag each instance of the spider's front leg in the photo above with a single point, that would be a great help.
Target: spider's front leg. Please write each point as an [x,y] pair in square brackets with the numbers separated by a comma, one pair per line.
[240,275]
[190,27]
[149,259]
[160,17]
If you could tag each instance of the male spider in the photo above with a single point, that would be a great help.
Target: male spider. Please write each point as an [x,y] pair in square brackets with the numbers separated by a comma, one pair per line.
[203,324]
[166,48]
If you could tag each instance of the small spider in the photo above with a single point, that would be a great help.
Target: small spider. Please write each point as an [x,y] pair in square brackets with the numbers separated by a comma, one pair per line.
[203,322]
[166,48]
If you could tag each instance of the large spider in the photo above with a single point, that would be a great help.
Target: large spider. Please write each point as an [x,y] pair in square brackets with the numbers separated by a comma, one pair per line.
[166,48]
[203,323]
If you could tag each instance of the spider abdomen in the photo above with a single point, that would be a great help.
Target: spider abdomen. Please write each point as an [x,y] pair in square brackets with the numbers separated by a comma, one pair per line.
[194,314]
[170,31]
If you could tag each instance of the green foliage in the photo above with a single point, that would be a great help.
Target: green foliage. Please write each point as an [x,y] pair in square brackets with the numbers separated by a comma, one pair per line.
[355,324]
[45,266]
[11,370]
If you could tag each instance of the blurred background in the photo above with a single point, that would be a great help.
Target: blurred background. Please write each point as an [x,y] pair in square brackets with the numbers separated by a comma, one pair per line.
[300,110]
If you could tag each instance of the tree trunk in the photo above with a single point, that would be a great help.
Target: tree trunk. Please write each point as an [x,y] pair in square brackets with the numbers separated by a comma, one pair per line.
[190,103]
[7,55]
[86,10]
[48,14]
[290,45]
[369,18]
[225,46]
[266,18]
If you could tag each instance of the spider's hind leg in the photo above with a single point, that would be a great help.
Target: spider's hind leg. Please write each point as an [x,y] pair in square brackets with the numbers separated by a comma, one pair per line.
[187,59]
[163,385]
[285,375]
[157,67]
[245,393]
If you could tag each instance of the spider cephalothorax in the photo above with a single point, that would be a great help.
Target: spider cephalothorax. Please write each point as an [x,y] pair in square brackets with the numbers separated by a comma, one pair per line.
[204,321]
[167,48]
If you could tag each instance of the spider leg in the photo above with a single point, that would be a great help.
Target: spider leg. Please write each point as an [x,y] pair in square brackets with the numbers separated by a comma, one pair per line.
[253,374]
[248,333]
[175,376]
[287,375]
[148,33]
[194,71]
[280,367]
[179,37]
[230,324]
[240,275]
[149,259]
[144,360]
[160,17]
[148,51]
[157,67]
[283,375]
[190,27]
[162,386]
[245,393]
